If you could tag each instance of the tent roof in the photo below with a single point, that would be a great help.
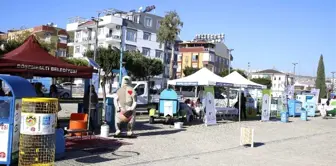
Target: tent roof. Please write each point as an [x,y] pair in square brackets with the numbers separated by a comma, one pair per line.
[202,77]
[238,80]
[31,58]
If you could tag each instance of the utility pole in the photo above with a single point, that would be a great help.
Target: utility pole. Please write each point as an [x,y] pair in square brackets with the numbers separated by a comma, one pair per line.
[96,20]
[230,50]
[123,28]
[333,81]
[294,65]
[248,70]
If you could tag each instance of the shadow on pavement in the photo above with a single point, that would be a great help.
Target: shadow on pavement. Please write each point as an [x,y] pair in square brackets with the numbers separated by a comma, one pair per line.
[107,156]
[164,132]
[255,145]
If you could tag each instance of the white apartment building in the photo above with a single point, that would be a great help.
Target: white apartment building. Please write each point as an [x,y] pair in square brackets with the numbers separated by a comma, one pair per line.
[140,28]
[279,80]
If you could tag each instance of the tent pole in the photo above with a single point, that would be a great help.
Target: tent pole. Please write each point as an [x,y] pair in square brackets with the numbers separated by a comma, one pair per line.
[89,109]
[239,101]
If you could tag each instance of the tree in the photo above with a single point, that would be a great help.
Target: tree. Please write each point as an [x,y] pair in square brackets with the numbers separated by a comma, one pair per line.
[320,79]
[76,61]
[107,59]
[226,72]
[168,32]
[19,39]
[263,81]
[189,70]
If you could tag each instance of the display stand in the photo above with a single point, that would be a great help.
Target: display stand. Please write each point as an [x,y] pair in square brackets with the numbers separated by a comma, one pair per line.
[10,121]
[294,107]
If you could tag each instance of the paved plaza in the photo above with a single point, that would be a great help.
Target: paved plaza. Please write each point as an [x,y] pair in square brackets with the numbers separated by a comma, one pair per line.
[294,143]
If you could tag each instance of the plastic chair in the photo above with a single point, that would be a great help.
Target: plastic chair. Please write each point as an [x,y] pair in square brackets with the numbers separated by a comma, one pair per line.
[78,121]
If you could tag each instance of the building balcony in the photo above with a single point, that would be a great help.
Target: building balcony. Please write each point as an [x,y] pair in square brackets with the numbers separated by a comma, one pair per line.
[113,38]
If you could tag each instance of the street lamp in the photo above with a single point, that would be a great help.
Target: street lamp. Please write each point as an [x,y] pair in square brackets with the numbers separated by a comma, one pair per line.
[248,70]
[230,50]
[294,65]
[96,20]
[333,81]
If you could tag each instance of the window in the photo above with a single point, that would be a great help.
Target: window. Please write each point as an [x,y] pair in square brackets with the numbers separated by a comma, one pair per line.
[77,49]
[279,78]
[158,24]
[101,45]
[4,109]
[158,53]
[136,18]
[145,51]
[131,35]
[100,31]
[195,57]
[179,57]
[78,34]
[140,90]
[147,36]
[274,78]
[148,22]
[130,47]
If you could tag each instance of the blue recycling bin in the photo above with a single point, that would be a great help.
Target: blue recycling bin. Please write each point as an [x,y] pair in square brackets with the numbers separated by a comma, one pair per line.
[303,115]
[109,112]
[59,144]
[284,117]
[294,108]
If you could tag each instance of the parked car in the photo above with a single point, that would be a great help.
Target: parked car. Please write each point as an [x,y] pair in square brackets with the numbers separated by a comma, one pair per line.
[67,85]
[62,92]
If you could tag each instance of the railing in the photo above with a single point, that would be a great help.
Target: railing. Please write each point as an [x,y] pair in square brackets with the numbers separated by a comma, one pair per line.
[112,36]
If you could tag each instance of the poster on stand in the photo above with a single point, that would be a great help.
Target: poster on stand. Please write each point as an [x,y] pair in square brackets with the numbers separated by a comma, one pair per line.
[37,124]
[316,93]
[210,115]
[4,135]
[265,114]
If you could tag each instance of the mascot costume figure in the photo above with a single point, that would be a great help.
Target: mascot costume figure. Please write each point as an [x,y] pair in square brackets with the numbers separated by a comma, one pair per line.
[125,103]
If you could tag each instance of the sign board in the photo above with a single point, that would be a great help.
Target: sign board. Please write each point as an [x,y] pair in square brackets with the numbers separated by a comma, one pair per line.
[168,108]
[265,114]
[4,135]
[16,129]
[316,93]
[246,136]
[210,115]
[95,81]
[37,124]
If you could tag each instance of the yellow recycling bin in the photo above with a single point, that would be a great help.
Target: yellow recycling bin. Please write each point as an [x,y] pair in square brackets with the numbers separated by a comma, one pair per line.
[37,131]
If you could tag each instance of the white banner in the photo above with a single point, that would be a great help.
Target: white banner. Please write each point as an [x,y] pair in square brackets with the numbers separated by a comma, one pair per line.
[265,114]
[4,134]
[37,124]
[210,115]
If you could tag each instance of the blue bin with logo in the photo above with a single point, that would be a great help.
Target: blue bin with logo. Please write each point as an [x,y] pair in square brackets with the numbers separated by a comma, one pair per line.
[284,117]
[294,107]
[109,112]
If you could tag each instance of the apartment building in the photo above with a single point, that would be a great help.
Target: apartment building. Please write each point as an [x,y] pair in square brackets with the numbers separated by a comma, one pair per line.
[140,28]
[203,52]
[49,33]
[279,79]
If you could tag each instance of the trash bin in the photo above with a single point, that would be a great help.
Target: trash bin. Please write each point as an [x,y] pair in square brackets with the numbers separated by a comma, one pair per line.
[284,116]
[109,112]
[303,115]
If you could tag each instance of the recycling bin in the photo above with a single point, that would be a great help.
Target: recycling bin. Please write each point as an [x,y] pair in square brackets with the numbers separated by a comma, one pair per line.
[284,117]
[303,115]
[294,107]
[109,112]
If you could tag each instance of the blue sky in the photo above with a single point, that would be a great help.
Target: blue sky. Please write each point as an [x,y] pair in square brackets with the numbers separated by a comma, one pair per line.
[266,33]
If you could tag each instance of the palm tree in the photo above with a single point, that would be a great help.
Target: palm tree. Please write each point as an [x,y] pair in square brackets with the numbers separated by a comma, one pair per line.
[168,32]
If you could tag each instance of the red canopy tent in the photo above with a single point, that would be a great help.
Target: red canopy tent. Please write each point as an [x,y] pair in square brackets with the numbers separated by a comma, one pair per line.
[30,58]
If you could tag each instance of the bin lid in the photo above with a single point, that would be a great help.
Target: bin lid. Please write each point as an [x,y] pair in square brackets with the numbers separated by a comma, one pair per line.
[169,94]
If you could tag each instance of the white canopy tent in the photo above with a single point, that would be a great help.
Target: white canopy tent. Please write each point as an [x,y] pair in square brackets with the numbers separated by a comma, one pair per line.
[203,77]
[239,81]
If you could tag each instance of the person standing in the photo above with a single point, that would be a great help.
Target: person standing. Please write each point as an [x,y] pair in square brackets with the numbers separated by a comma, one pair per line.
[38,89]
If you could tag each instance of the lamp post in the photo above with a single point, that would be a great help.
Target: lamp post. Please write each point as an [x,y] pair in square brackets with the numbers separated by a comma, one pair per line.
[248,70]
[96,20]
[230,50]
[294,65]
[333,81]
[123,27]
